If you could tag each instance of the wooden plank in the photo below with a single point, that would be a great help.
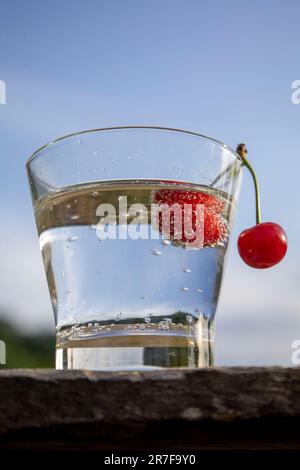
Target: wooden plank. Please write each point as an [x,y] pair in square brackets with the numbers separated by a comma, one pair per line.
[217,408]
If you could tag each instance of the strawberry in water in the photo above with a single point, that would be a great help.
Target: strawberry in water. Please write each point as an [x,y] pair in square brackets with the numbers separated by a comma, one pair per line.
[214,228]
[171,196]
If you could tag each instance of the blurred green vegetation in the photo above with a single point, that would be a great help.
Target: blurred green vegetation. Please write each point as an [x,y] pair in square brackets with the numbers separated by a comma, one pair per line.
[27,351]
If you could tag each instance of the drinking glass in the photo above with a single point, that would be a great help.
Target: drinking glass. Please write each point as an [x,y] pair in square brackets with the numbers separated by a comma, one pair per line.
[129,288]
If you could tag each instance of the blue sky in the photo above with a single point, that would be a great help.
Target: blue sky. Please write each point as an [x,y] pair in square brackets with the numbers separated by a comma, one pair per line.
[224,69]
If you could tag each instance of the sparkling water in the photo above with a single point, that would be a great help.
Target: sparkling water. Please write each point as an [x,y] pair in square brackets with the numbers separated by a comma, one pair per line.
[127,303]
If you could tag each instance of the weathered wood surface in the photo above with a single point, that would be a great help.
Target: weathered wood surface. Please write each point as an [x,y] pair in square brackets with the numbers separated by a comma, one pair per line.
[218,408]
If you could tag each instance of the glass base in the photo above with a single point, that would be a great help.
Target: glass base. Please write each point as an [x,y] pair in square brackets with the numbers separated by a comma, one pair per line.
[91,348]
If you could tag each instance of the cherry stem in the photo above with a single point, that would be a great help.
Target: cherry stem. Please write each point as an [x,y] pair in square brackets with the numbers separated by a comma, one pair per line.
[242,153]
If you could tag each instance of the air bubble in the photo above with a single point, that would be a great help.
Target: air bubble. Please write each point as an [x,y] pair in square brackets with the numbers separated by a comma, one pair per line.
[72,239]
[163,325]
[184,289]
[147,319]
[74,217]
[144,297]
[166,242]
[199,291]
[156,252]
[189,318]
[80,142]
[68,206]
[187,270]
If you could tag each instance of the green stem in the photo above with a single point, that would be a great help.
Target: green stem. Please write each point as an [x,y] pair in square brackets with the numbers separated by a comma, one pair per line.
[256,187]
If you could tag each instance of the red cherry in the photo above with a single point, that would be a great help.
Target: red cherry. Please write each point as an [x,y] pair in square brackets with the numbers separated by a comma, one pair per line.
[215,228]
[263,245]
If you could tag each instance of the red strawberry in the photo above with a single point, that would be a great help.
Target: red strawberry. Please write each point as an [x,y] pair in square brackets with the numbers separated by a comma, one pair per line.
[215,228]
[170,196]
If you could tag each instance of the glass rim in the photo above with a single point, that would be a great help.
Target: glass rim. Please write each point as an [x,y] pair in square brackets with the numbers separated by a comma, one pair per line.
[133,127]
